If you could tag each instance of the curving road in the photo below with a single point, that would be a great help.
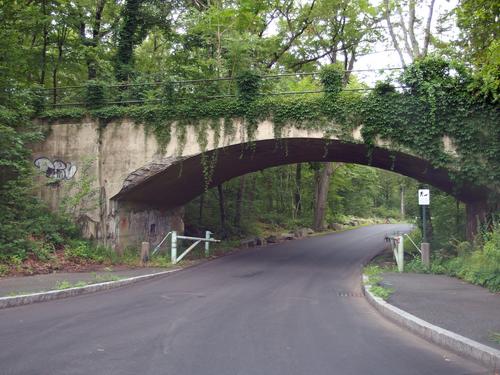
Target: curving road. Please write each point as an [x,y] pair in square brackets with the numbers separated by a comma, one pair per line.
[292,308]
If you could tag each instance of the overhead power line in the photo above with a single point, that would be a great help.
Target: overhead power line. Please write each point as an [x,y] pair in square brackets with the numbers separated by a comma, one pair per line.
[205,80]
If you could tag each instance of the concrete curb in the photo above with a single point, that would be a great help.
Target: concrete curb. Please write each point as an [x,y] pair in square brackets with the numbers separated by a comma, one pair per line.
[27,299]
[486,355]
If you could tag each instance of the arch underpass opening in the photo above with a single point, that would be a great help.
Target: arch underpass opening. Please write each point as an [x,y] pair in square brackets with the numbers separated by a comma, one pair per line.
[176,181]
[158,190]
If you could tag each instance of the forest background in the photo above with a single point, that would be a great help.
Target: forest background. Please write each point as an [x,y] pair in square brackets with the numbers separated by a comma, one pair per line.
[56,43]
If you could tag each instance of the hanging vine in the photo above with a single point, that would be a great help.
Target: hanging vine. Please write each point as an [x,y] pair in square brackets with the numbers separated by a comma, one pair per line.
[435,102]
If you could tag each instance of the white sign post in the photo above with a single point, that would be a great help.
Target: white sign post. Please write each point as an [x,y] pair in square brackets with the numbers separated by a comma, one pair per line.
[424,197]
[424,200]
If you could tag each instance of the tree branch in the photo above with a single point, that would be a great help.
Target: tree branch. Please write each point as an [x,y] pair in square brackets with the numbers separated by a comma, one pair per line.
[411,29]
[405,30]
[307,21]
[427,32]
[391,32]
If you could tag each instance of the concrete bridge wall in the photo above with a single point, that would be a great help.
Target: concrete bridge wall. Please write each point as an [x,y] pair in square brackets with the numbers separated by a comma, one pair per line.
[116,160]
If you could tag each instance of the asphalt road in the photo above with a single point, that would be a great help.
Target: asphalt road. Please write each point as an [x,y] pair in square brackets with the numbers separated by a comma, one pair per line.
[292,308]
[469,310]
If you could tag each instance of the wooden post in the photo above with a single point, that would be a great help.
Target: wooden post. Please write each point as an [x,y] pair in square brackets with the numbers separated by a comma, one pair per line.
[144,253]
[425,248]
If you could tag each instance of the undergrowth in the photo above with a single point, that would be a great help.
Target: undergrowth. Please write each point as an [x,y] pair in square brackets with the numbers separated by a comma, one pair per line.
[477,263]
[375,282]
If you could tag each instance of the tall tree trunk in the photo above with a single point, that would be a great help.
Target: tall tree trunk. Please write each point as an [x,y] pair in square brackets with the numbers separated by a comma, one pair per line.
[222,211]
[270,191]
[322,186]
[239,202]
[402,204]
[251,195]
[93,42]
[411,30]
[127,39]
[60,44]
[96,31]
[281,191]
[44,45]
[298,189]
[427,31]
[477,213]
[200,211]
[387,15]
[54,85]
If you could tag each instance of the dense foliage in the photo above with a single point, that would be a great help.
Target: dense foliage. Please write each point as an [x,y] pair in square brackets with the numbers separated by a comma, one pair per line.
[136,51]
[436,101]
[477,263]
[26,225]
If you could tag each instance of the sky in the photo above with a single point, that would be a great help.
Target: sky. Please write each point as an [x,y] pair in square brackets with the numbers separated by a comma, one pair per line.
[385,56]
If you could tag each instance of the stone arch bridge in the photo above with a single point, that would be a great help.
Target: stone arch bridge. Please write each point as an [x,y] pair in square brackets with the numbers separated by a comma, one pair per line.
[138,186]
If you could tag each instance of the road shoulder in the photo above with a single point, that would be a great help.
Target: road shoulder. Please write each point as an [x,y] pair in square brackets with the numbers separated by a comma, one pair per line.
[486,355]
[25,299]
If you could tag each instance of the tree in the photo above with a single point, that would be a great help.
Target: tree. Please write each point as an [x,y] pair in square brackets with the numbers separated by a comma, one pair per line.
[323,176]
[479,23]
[127,39]
[408,22]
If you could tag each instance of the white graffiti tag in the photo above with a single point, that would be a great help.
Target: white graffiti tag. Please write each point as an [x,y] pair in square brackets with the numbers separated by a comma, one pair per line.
[56,169]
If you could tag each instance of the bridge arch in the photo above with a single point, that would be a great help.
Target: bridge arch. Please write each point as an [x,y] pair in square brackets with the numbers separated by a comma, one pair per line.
[174,181]
[143,183]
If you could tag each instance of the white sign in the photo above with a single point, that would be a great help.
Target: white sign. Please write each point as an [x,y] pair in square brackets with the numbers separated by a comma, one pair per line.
[424,197]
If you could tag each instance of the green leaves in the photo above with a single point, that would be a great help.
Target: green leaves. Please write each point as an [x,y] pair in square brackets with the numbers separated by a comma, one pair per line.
[248,85]
[94,94]
[331,78]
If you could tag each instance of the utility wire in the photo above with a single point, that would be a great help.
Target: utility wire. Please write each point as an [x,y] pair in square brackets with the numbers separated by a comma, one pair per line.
[205,80]
[140,101]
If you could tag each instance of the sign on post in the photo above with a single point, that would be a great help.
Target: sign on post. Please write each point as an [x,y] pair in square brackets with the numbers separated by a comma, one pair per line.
[424,197]
[424,200]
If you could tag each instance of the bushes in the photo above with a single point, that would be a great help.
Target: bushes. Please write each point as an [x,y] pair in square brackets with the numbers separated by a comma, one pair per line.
[79,250]
[477,263]
[375,282]
[94,94]
[479,266]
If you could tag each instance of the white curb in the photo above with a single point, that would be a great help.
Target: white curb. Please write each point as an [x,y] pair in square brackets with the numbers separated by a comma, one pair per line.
[486,355]
[26,299]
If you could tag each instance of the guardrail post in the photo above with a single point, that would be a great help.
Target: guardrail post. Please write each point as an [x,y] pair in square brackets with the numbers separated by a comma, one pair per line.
[400,254]
[425,248]
[144,253]
[207,243]
[173,248]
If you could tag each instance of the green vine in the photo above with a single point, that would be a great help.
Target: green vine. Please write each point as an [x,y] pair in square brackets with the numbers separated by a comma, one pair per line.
[435,102]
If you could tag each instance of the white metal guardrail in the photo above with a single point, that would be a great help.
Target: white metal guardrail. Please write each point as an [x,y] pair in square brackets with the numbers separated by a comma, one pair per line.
[173,244]
[414,244]
[398,250]
[397,246]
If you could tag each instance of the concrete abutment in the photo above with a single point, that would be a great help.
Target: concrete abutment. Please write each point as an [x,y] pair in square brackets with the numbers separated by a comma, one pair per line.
[135,223]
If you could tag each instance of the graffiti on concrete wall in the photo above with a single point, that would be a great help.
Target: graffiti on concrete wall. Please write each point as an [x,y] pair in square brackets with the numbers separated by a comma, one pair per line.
[56,169]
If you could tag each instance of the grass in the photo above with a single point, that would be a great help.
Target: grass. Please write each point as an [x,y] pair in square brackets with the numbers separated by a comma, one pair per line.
[373,273]
[64,284]
[381,291]
[105,278]
[495,337]
[162,261]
